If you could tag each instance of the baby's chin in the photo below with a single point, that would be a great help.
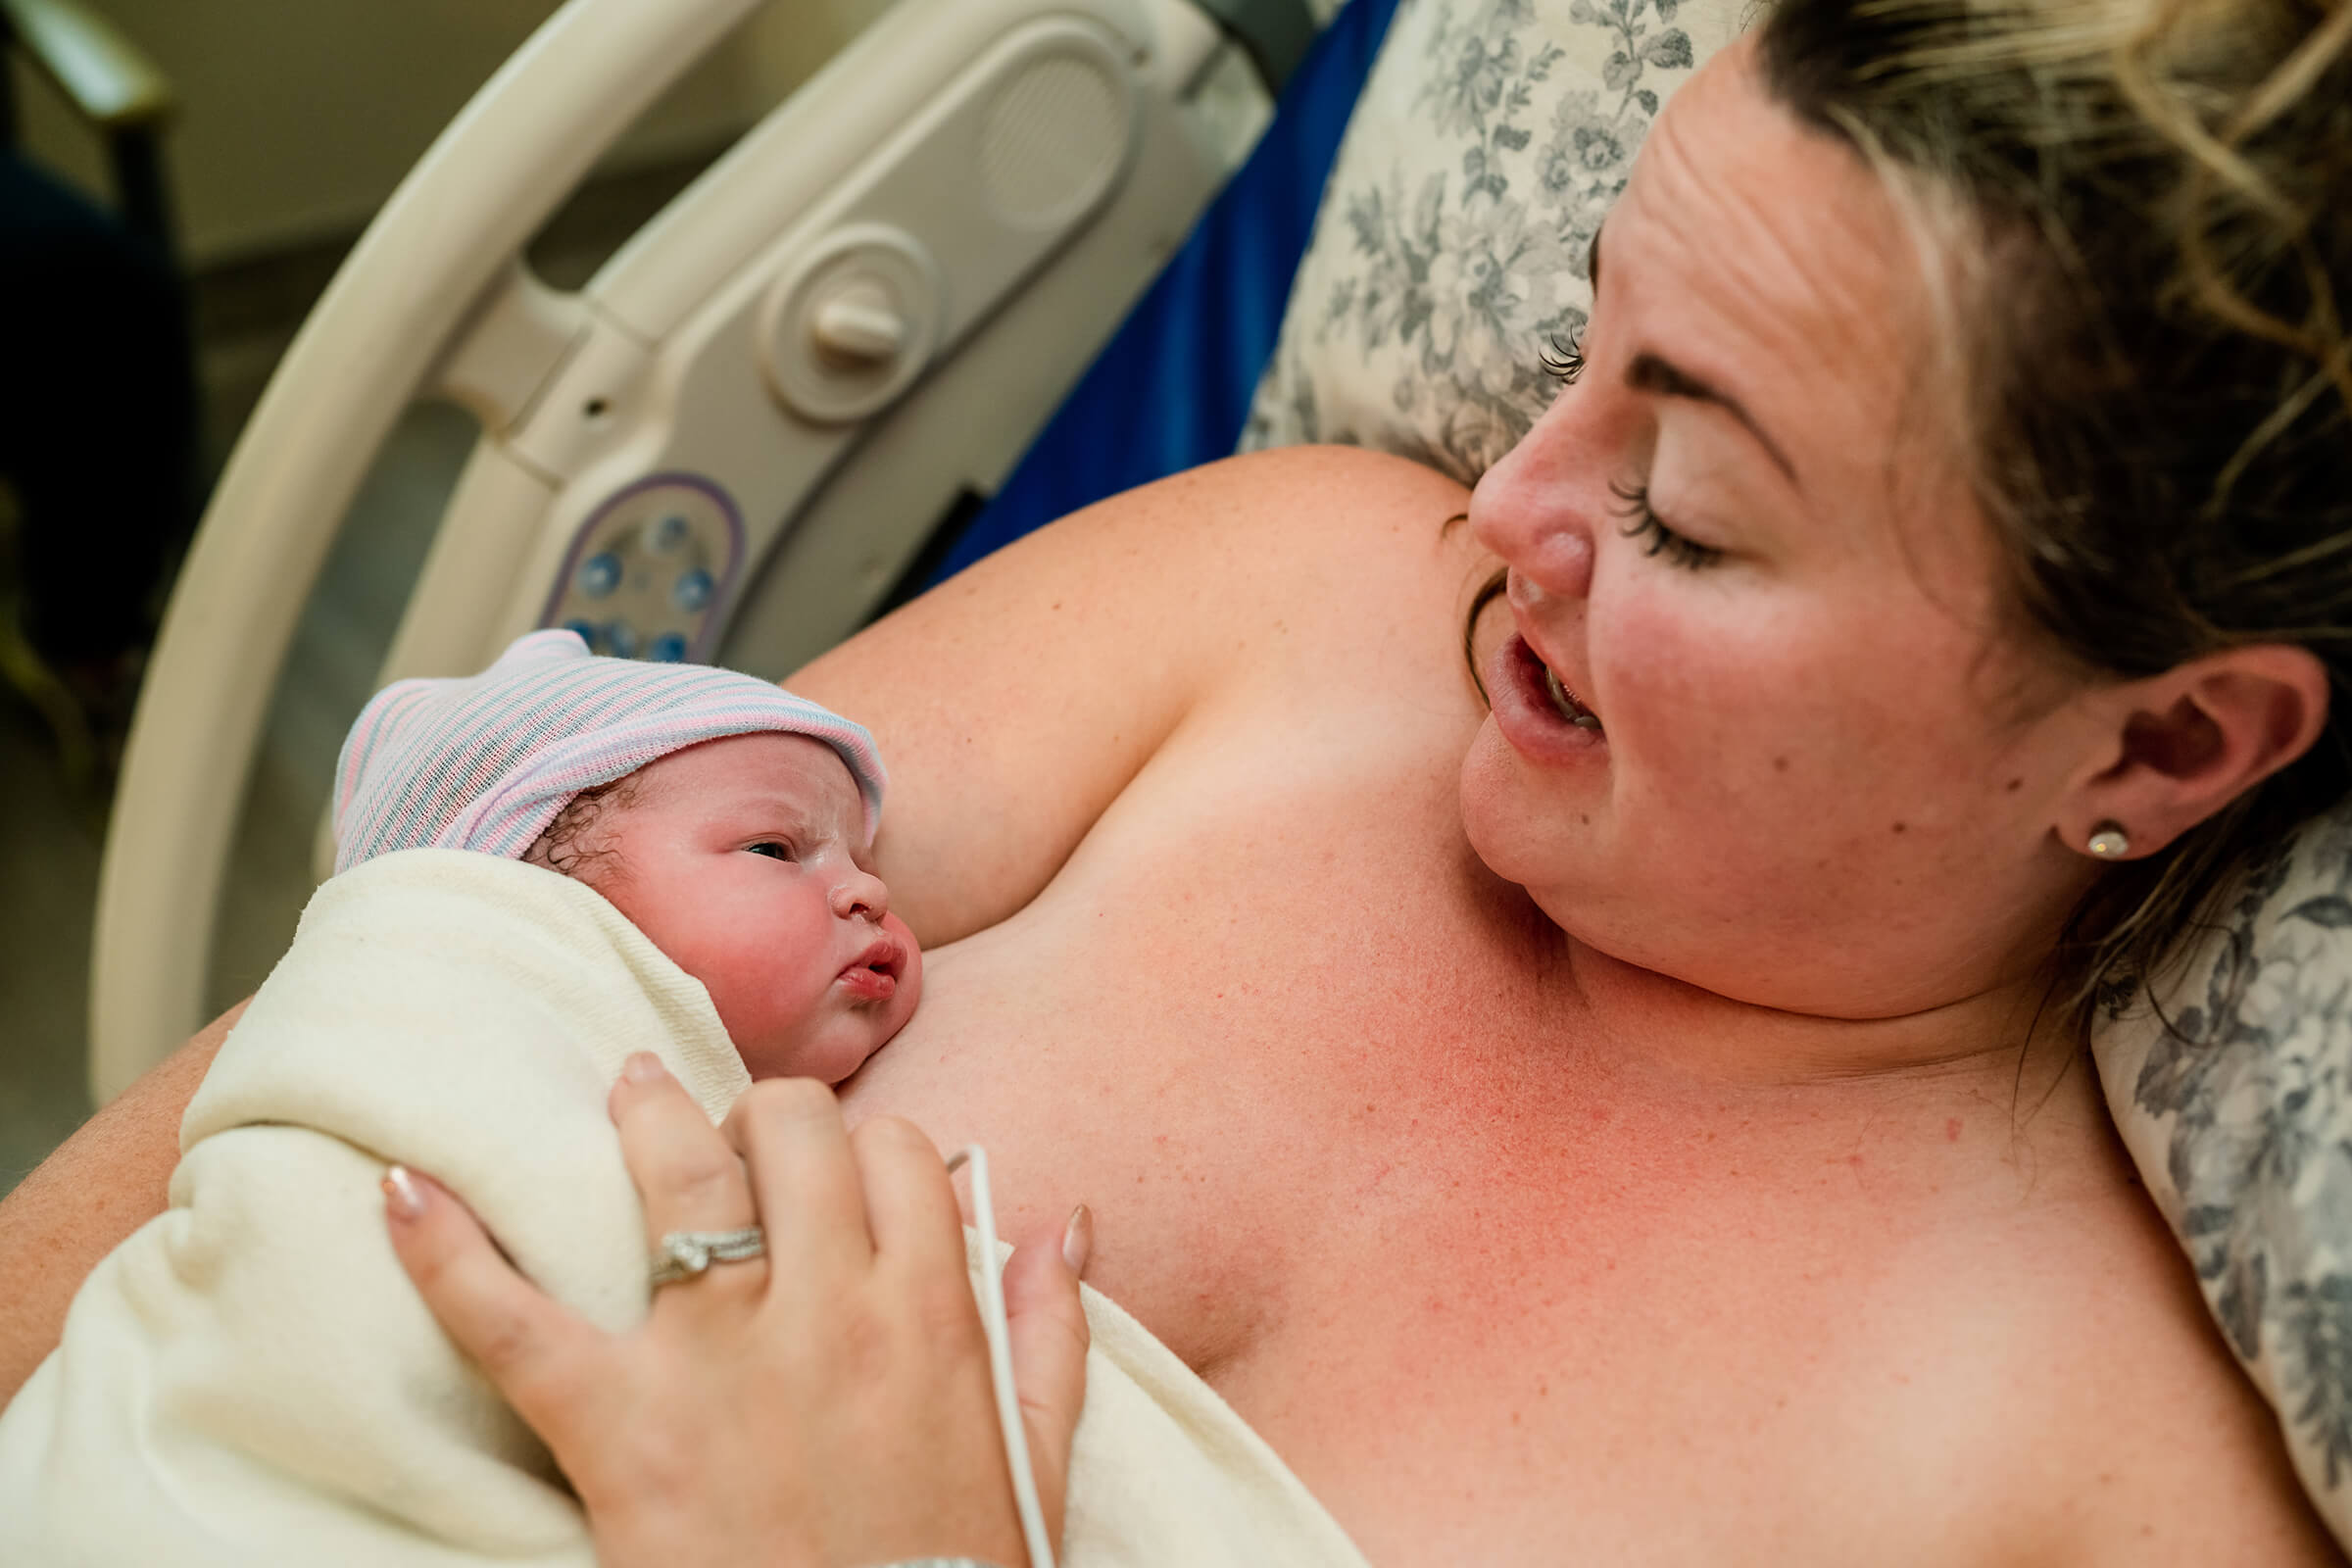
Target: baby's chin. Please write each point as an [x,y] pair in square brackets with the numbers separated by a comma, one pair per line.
[836,1054]
[838,1040]
[830,1061]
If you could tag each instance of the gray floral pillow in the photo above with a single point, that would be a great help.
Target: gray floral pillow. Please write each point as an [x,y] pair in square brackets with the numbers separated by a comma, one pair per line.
[2239,1117]
[1451,247]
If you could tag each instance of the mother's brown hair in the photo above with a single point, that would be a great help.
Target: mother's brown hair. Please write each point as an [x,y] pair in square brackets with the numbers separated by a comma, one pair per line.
[2148,216]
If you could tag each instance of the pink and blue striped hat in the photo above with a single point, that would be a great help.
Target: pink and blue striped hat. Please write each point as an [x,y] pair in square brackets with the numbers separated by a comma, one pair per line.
[485,762]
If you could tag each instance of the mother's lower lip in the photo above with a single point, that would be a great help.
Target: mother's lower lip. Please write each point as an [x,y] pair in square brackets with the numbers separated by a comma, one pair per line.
[1524,711]
[871,985]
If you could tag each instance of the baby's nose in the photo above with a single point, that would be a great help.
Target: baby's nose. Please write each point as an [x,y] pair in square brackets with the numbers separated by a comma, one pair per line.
[861,893]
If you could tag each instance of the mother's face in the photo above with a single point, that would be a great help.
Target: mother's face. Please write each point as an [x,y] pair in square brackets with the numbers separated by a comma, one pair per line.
[1820,781]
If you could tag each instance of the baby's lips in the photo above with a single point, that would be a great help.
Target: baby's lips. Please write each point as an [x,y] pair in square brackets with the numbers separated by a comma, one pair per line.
[869,985]
[885,953]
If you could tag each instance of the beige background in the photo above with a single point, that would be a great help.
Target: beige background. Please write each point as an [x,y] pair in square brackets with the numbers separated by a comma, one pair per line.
[298,117]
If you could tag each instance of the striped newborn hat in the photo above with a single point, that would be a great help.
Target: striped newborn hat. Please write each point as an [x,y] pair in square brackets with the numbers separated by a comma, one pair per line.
[486,761]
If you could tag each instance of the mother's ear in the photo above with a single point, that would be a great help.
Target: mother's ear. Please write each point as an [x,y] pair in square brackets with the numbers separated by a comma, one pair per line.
[2186,743]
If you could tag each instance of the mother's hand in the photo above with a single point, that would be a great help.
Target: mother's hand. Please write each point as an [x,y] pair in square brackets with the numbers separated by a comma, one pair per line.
[827,1404]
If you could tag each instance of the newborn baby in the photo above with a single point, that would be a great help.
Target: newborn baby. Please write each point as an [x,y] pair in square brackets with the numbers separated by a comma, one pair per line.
[726,817]
[541,869]
[250,1377]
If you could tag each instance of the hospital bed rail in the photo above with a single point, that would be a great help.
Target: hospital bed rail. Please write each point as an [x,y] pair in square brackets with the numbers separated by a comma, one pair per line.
[823,288]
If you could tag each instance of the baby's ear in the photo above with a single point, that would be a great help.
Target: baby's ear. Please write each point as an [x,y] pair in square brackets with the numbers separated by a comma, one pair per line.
[2189,740]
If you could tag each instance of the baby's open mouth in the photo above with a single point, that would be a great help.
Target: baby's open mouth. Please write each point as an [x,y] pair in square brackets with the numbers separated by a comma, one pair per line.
[876,974]
[873,974]
[877,970]
[1566,701]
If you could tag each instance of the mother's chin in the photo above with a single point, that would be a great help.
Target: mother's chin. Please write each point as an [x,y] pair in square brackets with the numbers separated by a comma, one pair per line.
[1520,834]
[1744,935]
[1529,831]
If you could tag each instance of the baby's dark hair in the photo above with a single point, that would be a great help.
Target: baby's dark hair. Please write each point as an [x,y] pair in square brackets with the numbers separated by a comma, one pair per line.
[573,844]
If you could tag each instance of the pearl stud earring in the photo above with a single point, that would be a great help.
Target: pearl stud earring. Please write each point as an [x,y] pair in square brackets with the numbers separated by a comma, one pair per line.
[2109,842]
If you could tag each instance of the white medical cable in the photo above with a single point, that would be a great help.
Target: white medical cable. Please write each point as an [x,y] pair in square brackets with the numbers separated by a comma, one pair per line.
[1000,1359]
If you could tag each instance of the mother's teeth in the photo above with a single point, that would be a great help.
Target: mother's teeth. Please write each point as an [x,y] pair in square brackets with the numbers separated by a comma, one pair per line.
[1570,709]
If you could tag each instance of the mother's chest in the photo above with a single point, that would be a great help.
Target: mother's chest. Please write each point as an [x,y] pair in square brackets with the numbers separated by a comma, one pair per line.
[1250,992]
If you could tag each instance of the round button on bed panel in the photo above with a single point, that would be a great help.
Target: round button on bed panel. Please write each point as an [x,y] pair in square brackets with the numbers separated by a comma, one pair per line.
[599,575]
[851,325]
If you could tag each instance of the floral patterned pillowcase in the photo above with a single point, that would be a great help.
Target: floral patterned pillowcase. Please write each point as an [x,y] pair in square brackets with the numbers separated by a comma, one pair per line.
[1450,249]
[2239,1117]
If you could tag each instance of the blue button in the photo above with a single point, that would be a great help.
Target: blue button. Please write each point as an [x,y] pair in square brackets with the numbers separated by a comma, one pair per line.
[669,648]
[665,534]
[599,575]
[585,630]
[621,639]
[693,590]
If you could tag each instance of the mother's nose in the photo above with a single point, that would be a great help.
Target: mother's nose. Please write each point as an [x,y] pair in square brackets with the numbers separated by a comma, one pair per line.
[861,893]
[1522,510]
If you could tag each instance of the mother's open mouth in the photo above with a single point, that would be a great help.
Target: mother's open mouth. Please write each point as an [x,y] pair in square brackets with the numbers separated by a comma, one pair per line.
[1538,712]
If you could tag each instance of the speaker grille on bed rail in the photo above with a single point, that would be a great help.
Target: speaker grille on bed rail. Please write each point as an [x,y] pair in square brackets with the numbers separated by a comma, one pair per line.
[1053,138]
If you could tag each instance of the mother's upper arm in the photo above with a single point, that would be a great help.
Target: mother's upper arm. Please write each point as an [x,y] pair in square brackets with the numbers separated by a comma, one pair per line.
[1013,703]
[106,1181]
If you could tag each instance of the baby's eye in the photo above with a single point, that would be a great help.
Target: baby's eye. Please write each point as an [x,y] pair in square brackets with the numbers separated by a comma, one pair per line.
[773,849]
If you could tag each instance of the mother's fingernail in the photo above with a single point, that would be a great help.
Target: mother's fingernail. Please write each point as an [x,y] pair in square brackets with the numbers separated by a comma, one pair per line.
[1078,1239]
[643,1068]
[400,1192]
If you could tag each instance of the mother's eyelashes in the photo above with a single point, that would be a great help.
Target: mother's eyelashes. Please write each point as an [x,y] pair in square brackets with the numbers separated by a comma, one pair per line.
[1563,357]
[1657,538]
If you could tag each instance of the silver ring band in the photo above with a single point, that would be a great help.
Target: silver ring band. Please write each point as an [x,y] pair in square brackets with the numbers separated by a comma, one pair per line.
[687,1253]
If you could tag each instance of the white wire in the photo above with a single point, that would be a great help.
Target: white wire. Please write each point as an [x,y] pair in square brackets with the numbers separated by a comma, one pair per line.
[1000,1359]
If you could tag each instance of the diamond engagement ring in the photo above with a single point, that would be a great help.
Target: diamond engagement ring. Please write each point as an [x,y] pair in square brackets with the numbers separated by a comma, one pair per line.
[687,1253]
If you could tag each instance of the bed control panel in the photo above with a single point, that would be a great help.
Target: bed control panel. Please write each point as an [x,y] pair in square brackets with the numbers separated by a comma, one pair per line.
[648,574]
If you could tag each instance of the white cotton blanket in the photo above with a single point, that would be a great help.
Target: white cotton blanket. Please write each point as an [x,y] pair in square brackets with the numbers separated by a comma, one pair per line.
[250,1379]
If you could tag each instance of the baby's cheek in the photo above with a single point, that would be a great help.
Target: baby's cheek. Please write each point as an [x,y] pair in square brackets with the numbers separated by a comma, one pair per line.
[747,1004]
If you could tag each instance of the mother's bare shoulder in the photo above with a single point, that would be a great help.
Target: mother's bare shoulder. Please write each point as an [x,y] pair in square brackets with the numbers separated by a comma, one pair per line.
[1028,691]
[1319,531]
[2161,1450]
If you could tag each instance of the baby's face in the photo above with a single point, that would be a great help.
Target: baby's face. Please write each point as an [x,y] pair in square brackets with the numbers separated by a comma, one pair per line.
[740,858]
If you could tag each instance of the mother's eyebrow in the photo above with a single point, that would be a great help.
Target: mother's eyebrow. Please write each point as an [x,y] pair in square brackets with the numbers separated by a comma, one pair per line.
[1652,372]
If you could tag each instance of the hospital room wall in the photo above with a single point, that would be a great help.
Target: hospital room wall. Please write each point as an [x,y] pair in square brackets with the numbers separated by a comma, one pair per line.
[298,117]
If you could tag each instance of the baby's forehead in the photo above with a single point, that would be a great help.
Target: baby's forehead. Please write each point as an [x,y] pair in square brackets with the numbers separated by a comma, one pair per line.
[764,770]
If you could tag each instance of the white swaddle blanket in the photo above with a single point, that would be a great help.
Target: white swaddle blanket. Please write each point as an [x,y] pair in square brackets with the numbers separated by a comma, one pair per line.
[250,1379]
